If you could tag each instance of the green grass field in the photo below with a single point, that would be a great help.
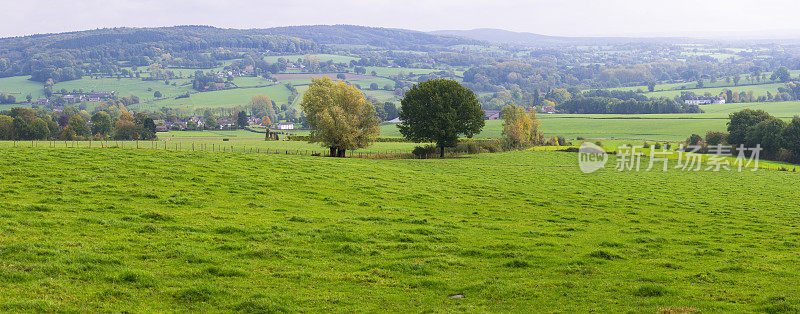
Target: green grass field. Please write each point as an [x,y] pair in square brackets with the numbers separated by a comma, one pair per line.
[126,87]
[322,58]
[223,98]
[758,90]
[20,87]
[644,129]
[674,89]
[663,127]
[385,72]
[157,231]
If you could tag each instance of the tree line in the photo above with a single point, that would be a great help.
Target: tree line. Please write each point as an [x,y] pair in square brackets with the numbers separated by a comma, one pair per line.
[751,128]
[73,124]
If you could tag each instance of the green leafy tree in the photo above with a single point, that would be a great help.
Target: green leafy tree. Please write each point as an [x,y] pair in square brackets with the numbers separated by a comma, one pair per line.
[390,109]
[781,74]
[651,86]
[145,126]
[78,125]
[6,127]
[440,110]
[39,129]
[716,138]
[101,123]
[210,121]
[241,119]
[741,121]
[768,134]
[791,136]
[68,134]
[261,105]
[694,139]
[339,116]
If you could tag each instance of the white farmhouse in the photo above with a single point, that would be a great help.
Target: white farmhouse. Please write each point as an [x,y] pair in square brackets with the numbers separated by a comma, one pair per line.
[285,126]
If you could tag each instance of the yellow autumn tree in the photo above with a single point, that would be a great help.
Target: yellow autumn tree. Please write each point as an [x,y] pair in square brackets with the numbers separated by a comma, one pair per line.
[339,116]
[520,126]
[125,128]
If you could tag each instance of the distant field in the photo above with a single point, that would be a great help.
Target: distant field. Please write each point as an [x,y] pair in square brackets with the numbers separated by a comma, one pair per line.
[126,87]
[246,81]
[164,231]
[332,76]
[758,90]
[383,71]
[243,144]
[20,86]
[224,98]
[322,58]
[671,127]
[674,89]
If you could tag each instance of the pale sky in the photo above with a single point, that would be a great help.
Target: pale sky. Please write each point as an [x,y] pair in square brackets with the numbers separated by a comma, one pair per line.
[549,17]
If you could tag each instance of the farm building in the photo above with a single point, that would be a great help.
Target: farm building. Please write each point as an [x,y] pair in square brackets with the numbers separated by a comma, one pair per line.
[705,101]
[491,114]
[97,96]
[548,109]
[285,126]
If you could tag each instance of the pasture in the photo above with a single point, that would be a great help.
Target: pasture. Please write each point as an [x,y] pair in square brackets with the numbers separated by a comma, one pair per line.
[145,230]
[656,127]
[20,86]
[322,58]
[127,86]
[222,98]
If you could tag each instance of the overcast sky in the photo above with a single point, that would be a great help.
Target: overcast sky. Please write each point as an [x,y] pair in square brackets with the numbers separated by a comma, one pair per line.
[549,17]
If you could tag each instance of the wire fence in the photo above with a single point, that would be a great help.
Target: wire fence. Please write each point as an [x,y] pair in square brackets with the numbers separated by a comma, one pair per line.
[224,147]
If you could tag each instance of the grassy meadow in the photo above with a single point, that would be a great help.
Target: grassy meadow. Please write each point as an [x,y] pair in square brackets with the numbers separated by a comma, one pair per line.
[145,230]
[127,86]
[20,87]
[223,98]
[661,127]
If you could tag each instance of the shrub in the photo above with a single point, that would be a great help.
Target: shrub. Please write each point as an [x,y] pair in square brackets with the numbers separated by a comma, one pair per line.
[657,145]
[425,151]
[492,146]
[470,147]
[646,145]
[786,155]
[716,138]
[561,141]
[694,140]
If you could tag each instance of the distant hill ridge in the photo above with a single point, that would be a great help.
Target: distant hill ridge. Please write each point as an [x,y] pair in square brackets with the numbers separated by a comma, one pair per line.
[499,36]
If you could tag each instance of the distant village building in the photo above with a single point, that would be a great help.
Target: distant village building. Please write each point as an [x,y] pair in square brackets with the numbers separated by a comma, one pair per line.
[101,95]
[700,101]
[72,98]
[548,109]
[491,114]
[285,126]
[224,123]
[41,103]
